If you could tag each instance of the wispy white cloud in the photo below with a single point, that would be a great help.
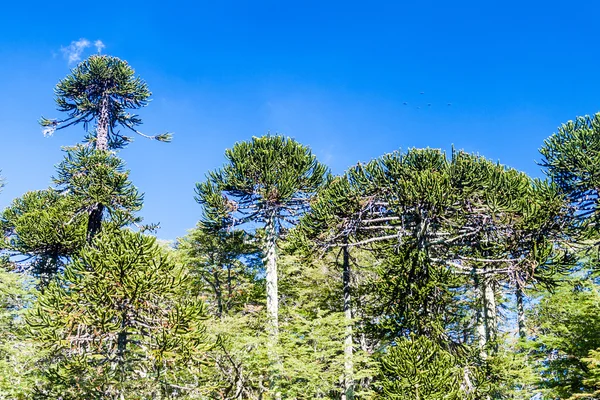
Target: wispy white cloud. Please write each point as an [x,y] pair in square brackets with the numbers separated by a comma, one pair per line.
[74,51]
[99,45]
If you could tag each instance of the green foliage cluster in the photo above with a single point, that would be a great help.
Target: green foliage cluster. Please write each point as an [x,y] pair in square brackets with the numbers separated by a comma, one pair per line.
[120,319]
[269,175]
[101,81]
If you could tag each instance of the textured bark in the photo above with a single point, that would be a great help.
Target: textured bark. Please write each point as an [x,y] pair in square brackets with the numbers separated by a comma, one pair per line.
[95,217]
[272,301]
[490,312]
[479,317]
[102,125]
[271,265]
[520,312]
[348,341]
[94,222]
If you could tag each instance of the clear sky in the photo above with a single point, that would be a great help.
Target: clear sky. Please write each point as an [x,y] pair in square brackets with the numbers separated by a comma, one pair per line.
[334,75]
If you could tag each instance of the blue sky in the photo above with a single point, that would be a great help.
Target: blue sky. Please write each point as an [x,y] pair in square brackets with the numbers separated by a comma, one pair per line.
[333,75]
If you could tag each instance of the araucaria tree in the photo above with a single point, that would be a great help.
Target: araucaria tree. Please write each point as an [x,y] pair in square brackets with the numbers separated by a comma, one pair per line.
[121,321]
[100,90]
[267,182]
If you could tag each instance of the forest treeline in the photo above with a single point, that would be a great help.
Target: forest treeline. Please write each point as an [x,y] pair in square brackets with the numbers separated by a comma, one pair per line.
[417,275]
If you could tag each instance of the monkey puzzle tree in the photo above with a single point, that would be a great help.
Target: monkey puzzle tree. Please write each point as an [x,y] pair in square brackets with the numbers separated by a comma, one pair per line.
[418,368]
[100,90]
[443,229]
[268,182]
[120,321]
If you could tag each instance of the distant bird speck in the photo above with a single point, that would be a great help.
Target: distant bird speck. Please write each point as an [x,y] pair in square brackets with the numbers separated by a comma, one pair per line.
[405,103]
[449,104]
[422,93]
[428,104]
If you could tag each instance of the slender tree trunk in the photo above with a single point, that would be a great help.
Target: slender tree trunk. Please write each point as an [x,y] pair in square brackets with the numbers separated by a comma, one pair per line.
[484,314]
[520,311]
[348,342]
[490,313]
[95,217]
[272,300]
[218,294]
[271,265]
[102,125]
[229,289]
[479,316]
[94,222]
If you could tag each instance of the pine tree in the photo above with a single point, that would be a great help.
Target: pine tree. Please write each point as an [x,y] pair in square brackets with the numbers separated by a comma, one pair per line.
[120,322]
[44,229]
[446,232]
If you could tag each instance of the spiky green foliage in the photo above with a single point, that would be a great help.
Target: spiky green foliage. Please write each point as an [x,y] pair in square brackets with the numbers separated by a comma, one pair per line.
[17,354]
[101,84]
[43,229]
[224,264]
[592,380]
[434,216]
[120,321]
[270,174]
[417,368]
[314,327]
[564,329]
[267,182]
[98,182]
[310,344]
[572,157]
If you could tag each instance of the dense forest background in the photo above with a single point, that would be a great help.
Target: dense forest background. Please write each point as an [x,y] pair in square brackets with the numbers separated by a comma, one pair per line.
[417,275]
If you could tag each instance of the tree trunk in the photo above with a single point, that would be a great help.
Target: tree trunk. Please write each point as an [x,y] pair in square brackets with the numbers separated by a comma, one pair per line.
[271,265]
[95,217]
[218,294]
[479,316]
[94,222]
[520,312]
[490,313]
[348,342]
[272,301]
[102,125]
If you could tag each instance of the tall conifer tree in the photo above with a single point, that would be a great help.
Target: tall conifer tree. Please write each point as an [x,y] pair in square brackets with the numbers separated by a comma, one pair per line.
[267,182]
